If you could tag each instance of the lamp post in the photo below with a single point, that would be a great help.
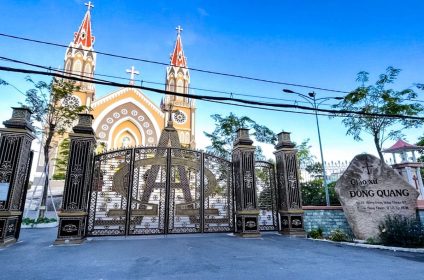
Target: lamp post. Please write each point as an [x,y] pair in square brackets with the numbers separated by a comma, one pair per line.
[311,99]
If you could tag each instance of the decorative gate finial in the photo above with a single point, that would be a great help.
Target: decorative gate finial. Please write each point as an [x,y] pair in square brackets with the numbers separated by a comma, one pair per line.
[168,109]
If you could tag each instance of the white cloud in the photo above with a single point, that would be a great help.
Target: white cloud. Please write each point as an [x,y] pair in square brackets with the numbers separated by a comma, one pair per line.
[202,12]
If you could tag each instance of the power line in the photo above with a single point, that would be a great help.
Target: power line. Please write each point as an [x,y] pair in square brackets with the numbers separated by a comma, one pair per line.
[167,64]
[150,82]
[164,84]
[205,97]
[221,102]
[270,109]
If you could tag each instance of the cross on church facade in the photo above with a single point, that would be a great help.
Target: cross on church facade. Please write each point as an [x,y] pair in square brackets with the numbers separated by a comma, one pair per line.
[132,73]
[179,29]
[89,5]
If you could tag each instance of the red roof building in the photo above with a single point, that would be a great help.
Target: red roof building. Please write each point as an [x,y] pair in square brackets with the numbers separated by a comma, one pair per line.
[401,146]
[408,167]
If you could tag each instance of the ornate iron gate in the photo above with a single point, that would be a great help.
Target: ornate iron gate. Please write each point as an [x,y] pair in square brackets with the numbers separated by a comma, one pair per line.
[266,195]
[159,191]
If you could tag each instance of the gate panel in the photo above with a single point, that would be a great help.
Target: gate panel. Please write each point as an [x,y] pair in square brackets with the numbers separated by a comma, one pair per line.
[218,195]
[185,192]
[170,190]
[109,193]
[148,191]
[267,196]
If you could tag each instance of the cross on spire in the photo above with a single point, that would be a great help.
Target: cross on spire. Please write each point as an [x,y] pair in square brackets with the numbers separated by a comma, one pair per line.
[177,57]
[132,73]
[89,5]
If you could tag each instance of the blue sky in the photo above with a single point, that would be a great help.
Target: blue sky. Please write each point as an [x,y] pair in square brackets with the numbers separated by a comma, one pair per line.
[318,43]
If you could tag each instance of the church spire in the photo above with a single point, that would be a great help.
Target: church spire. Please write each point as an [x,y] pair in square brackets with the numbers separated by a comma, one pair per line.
[177,57]
[80,58]
[84,37]
[178,81]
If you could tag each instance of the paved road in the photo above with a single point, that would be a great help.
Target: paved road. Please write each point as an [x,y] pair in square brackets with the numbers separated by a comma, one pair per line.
[216,256]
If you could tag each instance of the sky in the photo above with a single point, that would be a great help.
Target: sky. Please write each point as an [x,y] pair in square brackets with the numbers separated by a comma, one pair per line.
[315,43]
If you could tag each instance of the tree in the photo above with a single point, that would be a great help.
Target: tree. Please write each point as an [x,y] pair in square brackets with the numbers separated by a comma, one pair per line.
[55,110]
[304,155]
[61,162]
[264,186]
[224,134]
[378,99]
[314,169]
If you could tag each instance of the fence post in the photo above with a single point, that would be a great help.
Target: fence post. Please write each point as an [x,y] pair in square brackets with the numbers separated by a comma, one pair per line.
[73,215]
[247,211]
[15,158]
[290,200]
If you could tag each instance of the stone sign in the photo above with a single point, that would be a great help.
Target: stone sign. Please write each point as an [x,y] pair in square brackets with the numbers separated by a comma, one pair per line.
[369,191]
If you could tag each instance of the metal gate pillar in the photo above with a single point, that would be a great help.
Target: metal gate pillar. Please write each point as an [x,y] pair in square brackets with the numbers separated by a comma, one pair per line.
[15,164]
[247,211]
[73,216]
[290,201]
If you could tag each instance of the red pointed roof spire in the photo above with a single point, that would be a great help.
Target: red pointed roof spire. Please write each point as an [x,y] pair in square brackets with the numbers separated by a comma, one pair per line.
[177,57]
[84,38]
[400,146]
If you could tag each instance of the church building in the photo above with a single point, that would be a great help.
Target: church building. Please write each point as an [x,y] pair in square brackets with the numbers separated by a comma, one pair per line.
[127,117]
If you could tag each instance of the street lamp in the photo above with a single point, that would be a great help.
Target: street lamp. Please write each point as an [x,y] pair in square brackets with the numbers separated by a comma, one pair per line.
[311,98]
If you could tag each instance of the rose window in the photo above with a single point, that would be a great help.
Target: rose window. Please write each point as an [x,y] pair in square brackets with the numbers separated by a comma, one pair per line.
[70,101]
[179,117]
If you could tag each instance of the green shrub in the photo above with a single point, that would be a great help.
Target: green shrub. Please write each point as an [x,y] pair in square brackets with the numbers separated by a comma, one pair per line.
[29,221]
[339,235]
[373,241]
[316,233]
[313,193]
[44,220]
[397,230]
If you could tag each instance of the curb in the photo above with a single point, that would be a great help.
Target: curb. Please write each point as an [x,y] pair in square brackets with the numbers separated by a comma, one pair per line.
[370,246]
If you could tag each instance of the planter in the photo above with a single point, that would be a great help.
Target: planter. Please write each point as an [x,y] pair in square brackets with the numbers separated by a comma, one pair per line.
[43,225]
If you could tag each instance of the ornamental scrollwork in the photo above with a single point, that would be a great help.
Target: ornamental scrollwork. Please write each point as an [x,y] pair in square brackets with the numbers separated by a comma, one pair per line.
[69,228]
[248,180]
[296,222]
[5,172]
[10,228]
[72,206]
[250,224]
